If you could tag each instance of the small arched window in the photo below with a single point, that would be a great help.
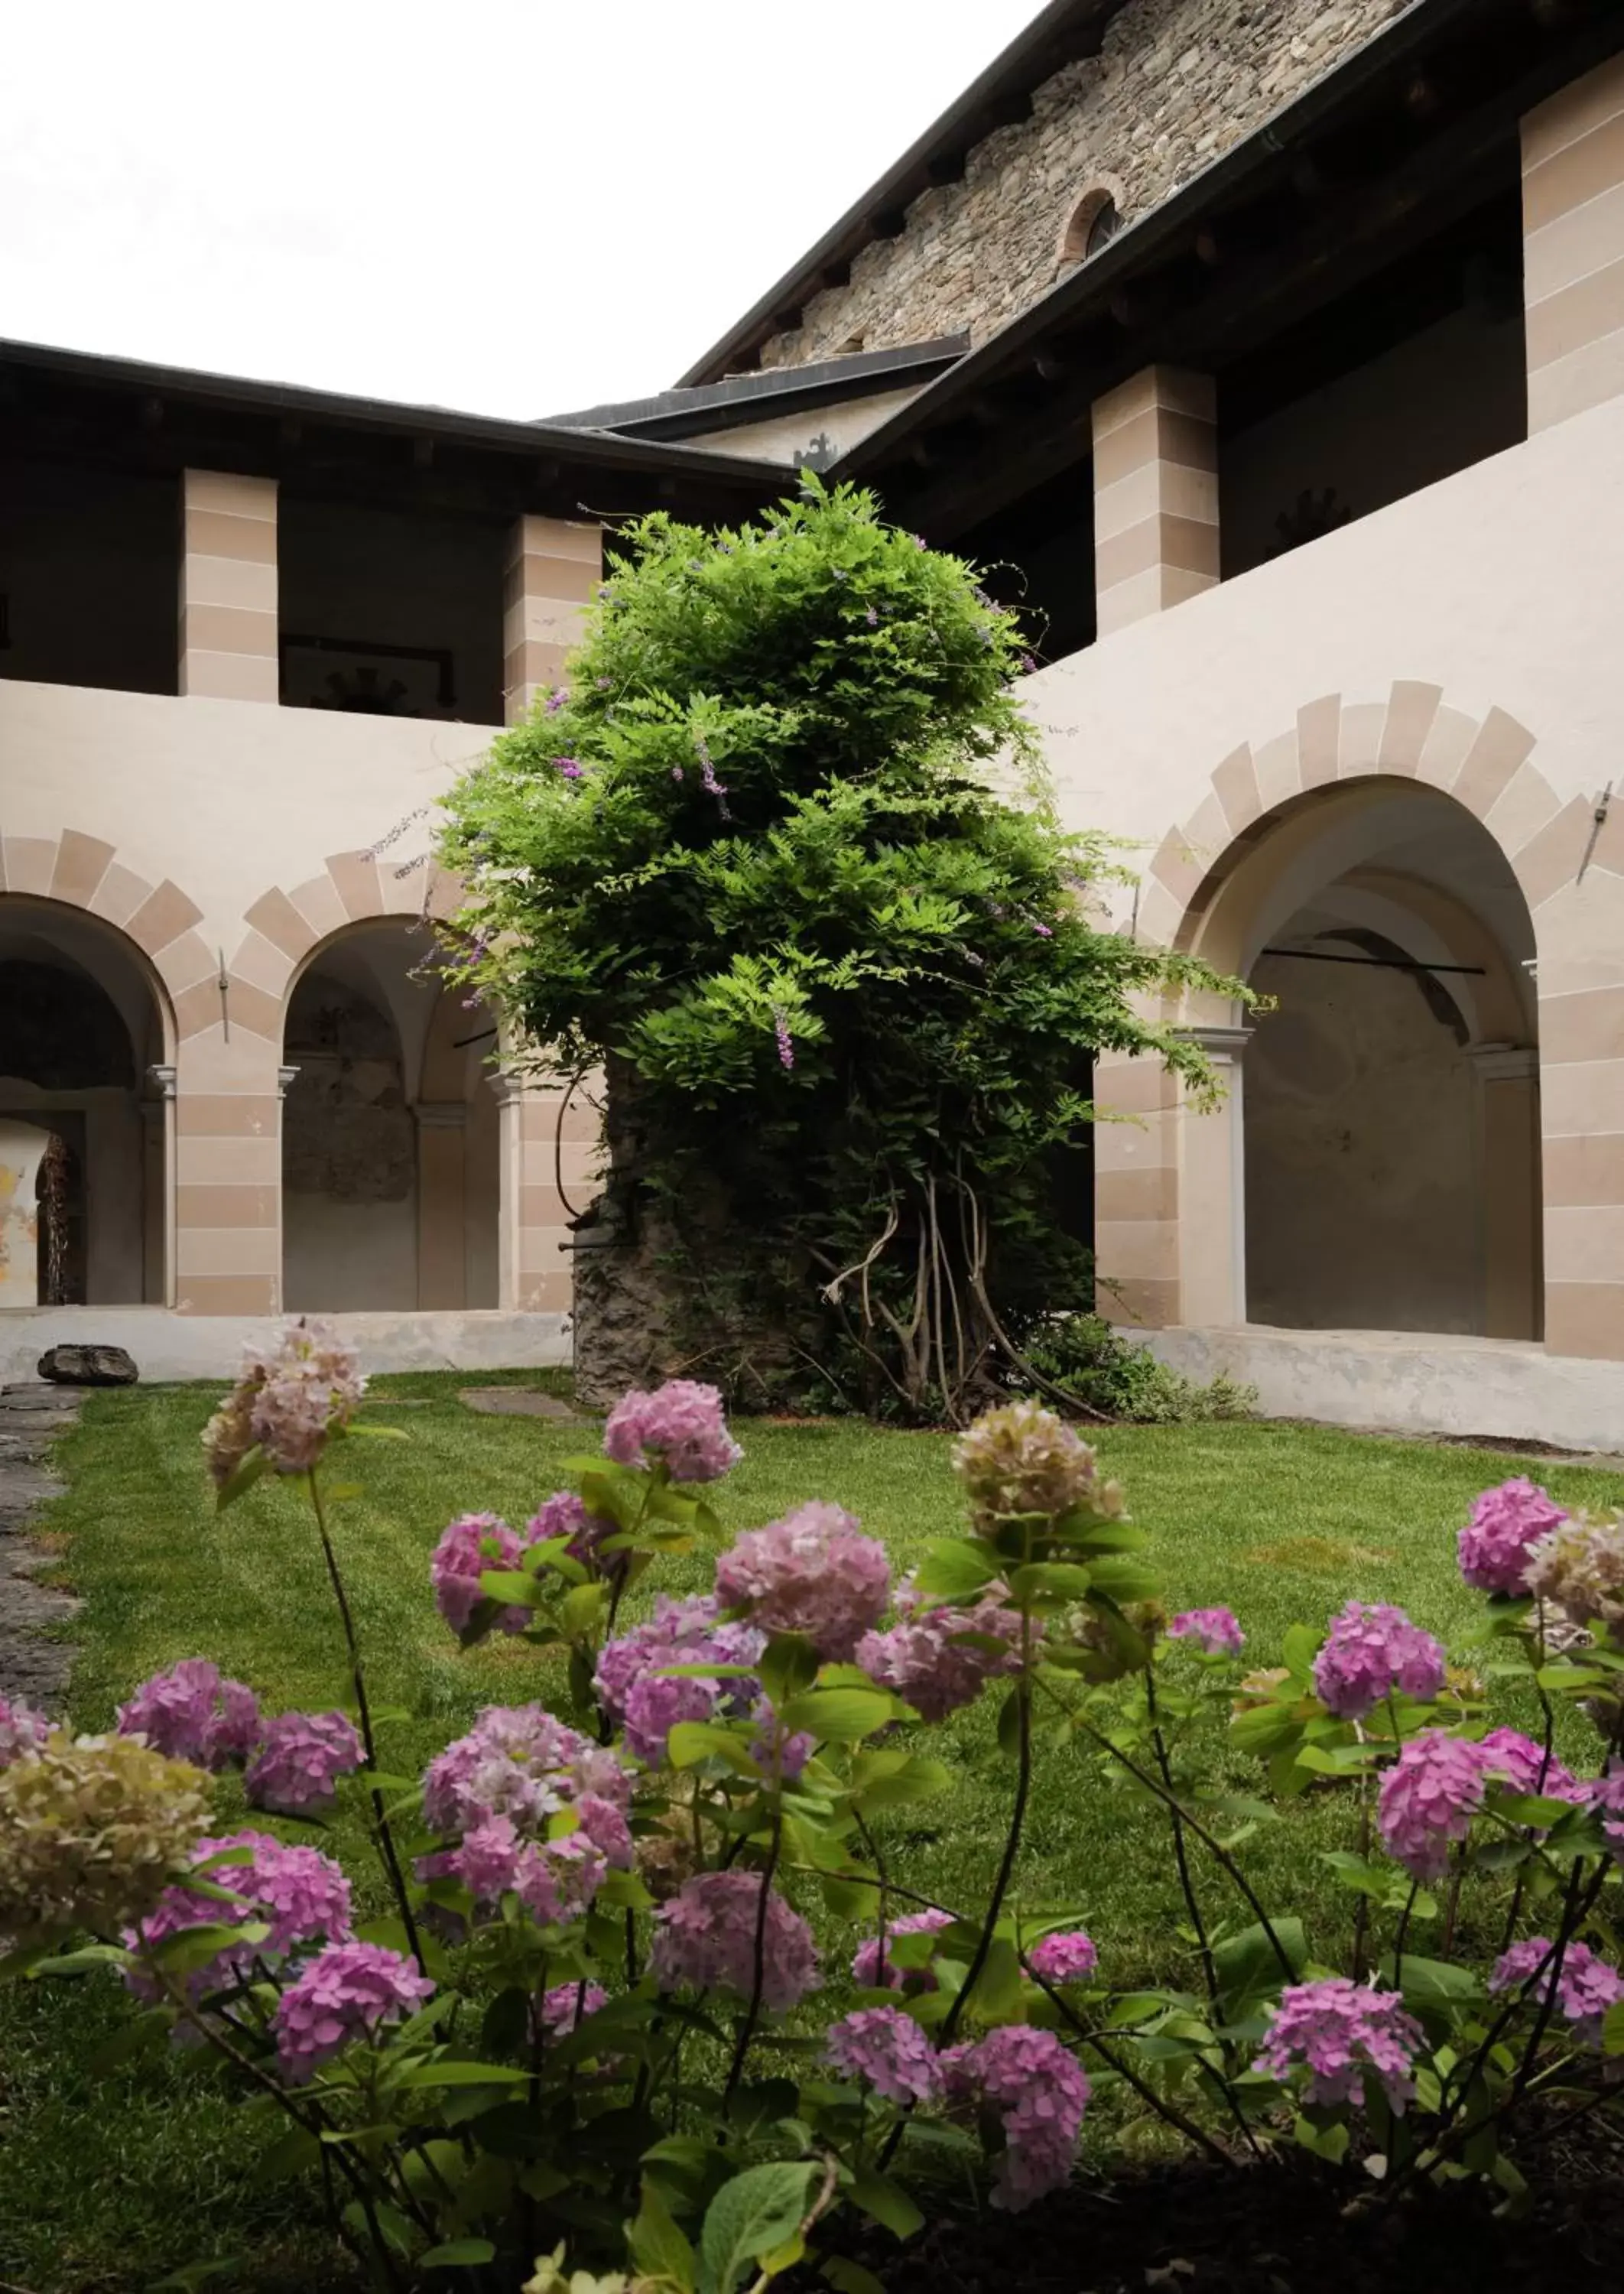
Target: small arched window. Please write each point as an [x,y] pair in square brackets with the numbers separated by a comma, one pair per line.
[1095,222]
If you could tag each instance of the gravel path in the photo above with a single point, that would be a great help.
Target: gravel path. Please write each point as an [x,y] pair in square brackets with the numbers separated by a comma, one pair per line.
[33,1666]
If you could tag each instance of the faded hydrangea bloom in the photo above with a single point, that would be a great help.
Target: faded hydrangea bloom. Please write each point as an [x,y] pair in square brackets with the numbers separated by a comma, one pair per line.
[1022,1460]
[1336,2031]
[1217,1631]
[92,1830]
[705,1938]
[288,1401]
[682,1422]
[23,1729]
[1428,1799]
[1586,1989]
[813,1573]
[887,2049]
[1067,1957]
[1578,1567]
[937,1658]
[872,1966]
[300,1758]
[1371,1651]
[349,1991]
[229,1435]
[468,1546]
[192,1714]
[1493,1548]
[1039,2092]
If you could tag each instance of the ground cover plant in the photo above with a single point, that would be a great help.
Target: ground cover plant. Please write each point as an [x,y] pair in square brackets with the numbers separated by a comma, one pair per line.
[1173,2058]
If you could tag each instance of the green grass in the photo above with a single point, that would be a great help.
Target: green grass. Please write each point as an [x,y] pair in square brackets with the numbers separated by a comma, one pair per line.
[106,2182]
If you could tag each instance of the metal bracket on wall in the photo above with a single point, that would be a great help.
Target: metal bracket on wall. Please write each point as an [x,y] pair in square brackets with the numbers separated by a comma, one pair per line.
[224,984]
[1598,821]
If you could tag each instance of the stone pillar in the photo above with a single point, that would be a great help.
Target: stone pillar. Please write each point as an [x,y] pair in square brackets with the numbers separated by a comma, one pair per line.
[157,1249]
[1213,1189]
[1156,494]
[1574,247]
[22,1147]
[554,567]
[1508,1100]
[1136,1193]
[442,1256]
[228,588]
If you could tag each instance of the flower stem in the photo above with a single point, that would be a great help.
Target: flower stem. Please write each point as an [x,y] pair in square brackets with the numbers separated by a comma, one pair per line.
[1012,1846]
[1176,1817]
[747,2029]
[384,1836]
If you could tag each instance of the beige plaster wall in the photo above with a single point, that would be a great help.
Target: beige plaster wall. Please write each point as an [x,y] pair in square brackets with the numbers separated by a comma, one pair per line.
[787,437]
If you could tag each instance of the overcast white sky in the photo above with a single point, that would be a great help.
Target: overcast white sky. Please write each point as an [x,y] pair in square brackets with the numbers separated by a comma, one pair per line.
[513,207]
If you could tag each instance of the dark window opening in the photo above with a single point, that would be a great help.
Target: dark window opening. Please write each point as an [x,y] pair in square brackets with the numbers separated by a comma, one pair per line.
[90,570]
[1416,373]
[1037,557]
[385,613]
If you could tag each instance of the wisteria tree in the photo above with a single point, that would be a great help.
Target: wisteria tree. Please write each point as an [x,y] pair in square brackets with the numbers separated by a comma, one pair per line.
[778,863]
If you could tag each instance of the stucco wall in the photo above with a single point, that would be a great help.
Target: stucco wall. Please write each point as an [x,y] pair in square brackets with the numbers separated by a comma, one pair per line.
[1176,83]
[788,437]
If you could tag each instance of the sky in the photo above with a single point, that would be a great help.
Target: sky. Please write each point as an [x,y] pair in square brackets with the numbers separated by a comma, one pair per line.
[513,209]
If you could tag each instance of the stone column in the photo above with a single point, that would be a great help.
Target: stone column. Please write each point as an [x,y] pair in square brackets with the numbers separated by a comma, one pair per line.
[443,1251]
[1508,1089]
[1136,1193]
[1156,494]
[553,568]
[1574,247]
[158,1255]
[228,588]
[1213,1189]
[506,1090]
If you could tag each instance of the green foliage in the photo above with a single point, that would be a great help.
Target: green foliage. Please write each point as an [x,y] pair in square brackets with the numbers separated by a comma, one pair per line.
[764,856]
[1085,1356]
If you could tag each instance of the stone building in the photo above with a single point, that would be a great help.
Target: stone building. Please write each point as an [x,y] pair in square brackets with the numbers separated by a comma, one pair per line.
[1270,358]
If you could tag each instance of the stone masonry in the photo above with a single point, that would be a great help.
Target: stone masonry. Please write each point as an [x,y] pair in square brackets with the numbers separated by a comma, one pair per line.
[1177,83]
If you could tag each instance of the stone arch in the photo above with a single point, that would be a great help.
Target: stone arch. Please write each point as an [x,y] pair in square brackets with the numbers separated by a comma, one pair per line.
[1154,1191]
[285,928]
[1106,195]
[158,922]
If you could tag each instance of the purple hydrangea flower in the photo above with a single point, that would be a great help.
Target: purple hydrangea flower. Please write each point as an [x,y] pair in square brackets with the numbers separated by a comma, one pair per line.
[1508,1752]
[518,1762]
[679,1632]
[812,1573]
[473,1542]
[1215,1631]
[1586,1989]
[23,1729]
[300,1893]
[565,1514]
[887,2049]
[1493,1546]
[873,1967]
[653,1707]
[349,1991]
[567,2006]
[777,1750]
[1428,1799]
[300,1758]
[1372,1649]
[1605,1795]
[682,1422]
[1069,1957]
[309,1387]
[705,1938]
[190,1714]
[934,1660]
[1337,2032]
[1040,2094]
[554,1880]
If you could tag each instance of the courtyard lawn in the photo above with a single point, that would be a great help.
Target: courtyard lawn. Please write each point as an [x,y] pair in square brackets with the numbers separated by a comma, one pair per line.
[108,2181]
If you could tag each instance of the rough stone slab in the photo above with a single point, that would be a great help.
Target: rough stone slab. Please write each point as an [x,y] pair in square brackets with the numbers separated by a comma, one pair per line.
[33,1666]
[88,1366]
[517,1402]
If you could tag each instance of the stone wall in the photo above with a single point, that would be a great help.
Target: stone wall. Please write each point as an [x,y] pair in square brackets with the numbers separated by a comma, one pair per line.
[1176,83]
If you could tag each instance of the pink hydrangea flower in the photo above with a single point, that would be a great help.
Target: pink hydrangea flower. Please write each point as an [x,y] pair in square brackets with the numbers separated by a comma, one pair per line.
[300,1893]
[679,1632]
[813,1573]
[1040,2094]
[1508,1752]
[1428,1799]
[1493,1548]
[518,1762]
[654,1706]
[1069,1957]
[1605,1795]
[889,2050]
[567,2006]
[933,1658]
[1336,2031]
[300,1758]
[682,1422]
[705,1938]
[556,1880]
[1586,1989]
[1372,1649]
[190,1714]
[310,1386]
[565,1514]
[778,1750]
[873,1967]
[1215,1631]
[473,1542]
[23,1729]
[349,1991]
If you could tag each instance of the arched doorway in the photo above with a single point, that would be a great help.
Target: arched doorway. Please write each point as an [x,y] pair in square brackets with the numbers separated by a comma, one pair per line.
[1388,1098]
[389,1136]
[84,1082]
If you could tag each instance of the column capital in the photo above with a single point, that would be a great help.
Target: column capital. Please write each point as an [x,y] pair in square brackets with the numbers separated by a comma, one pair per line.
[441,1114]
[284,1077]
[1220,1043]
[165,1078]
[507,1090]
[1505,1062]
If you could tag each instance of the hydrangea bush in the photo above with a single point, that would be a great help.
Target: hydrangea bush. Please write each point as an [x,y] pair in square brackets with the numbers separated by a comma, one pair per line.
[616,2021]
